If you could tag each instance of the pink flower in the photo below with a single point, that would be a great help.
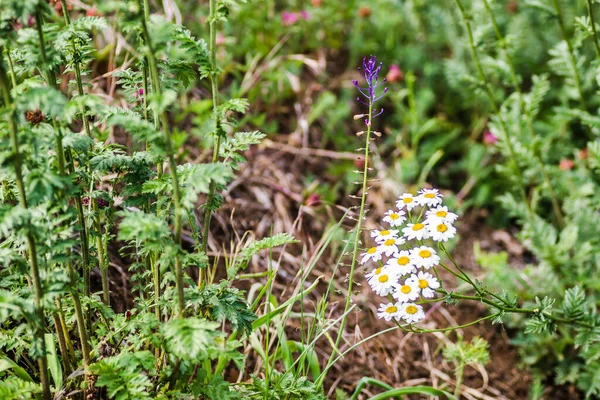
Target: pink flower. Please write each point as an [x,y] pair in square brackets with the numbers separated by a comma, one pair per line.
[220,39]
[394,74]
[566,164]
[489,138]
[304,15]
[289,18]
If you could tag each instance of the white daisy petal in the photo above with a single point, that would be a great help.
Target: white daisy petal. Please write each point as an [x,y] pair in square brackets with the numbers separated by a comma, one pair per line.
[382,236]
[416,231]
[390,246]
[389,311]
[424,257]
[401,263]
[412,312]
[426,282]
[406,200]
[407,292]
[385,283]
[441,213]
[441,231]
[394,218]
[372,254]
[429,197]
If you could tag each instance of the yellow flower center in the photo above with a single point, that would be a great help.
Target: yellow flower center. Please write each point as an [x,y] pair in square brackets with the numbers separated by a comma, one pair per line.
[391,309]
[394,216]
[372,250]
[418,227]
[378,271]
[403,260]
[442,228]
[384,233]
[429,195]
[383,278]
[405,289]
[407,200]
[423,284]
[441,214]
[389,242]
[424,254]
[411,310]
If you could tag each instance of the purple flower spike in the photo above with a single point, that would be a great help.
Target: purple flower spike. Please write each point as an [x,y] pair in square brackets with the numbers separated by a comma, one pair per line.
[370,70]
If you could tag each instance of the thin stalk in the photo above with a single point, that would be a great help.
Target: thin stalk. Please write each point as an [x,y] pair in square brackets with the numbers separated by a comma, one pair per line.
[356,239]
[172,167]
[149,264]
[217,146]
[528,118]
[101,259]
[459,377]
[593,23]
[31,247]
[492,101]
[13,76]
[62,343]
[572,59]
[86,125]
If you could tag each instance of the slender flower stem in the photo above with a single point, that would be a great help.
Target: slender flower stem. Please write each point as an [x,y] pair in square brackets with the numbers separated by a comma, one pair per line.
[215,100]
[356,239]
[33,258]
[590,9]
[528,117]
[172,166]
[492,101]
[572,59]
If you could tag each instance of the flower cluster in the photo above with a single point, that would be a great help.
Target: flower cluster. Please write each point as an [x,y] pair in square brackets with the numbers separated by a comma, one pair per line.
[401,273]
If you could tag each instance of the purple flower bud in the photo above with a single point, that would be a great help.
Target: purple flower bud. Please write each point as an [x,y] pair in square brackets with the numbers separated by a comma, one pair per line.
[370,70]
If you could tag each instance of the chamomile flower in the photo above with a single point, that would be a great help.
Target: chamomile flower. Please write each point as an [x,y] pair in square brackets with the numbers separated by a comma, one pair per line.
[389,311]
[372,253]
[416,231]
[425,282]
[412,312]
[382,236]
[424,256]
[429,197]
[441,213]
[385,283]
[401,263]
[441,231]
[374,274]
[406,200]
[406,292]
[394,218]
[390,246]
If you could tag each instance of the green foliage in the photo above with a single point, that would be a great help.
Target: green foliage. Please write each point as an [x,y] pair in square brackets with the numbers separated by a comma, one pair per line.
[191,338]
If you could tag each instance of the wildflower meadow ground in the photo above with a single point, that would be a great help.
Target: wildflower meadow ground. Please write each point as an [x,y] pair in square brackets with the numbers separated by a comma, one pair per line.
[299,200]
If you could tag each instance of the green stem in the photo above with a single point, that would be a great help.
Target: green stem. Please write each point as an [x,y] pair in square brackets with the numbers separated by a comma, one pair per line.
[528,117]
[593,23]
[459,377]
[356,240]
[172,167]
[572,59]
[33,259]
[13,76]
[217,146]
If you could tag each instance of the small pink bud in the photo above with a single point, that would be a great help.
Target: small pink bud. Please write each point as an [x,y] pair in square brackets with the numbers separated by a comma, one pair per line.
[313,200]
[304,15]
[566,164]
[489,138]
[395,74]
[220,39]
[289,18]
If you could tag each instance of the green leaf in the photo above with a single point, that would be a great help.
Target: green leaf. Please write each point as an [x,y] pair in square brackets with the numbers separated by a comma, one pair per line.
[190,338]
